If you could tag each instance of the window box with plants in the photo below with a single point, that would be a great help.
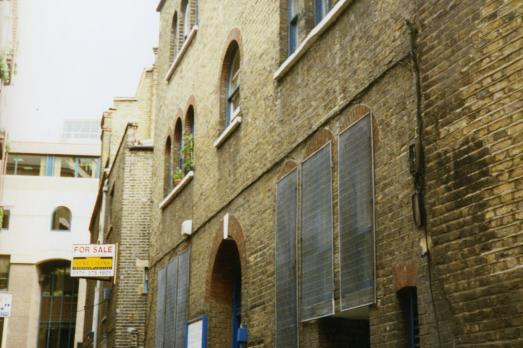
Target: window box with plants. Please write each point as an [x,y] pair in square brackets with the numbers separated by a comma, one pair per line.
[5,70]
[183,174]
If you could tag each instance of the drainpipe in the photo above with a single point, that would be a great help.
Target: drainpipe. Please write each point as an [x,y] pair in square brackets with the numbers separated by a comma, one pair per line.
[420,179]
[101,225]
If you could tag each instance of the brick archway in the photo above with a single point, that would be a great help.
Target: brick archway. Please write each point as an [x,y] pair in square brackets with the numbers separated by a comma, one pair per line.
[224,277]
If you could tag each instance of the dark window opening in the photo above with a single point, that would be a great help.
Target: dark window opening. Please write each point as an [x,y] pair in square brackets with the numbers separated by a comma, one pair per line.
[409,305]
[5,263]
[168,167]
[178,144]
[21,164]
[61,219]
[6,216]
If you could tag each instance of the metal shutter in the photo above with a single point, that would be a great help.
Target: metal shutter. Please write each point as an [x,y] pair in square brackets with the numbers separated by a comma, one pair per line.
[171,297]
[183,298]
[316,237]
[356,215]
[285,264]
[160,308]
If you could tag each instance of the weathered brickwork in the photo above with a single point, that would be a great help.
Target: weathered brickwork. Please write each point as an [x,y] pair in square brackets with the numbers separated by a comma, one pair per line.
[128,224]
[123,211]
[471,60]
[362,64]
[445,75]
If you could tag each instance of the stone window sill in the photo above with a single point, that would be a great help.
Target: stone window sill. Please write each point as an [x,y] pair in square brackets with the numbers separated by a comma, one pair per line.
[227,132]
[313,36]
[181,53]
[177,189]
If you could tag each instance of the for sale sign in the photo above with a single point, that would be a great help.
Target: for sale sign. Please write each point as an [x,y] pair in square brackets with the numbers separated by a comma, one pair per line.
[93,260]
[5,305]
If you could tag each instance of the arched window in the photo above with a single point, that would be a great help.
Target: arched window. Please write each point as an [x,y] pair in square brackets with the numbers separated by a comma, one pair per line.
[58,305]
[232,87]
[174,37]
[186,8]
[188,141]
[178,144]
[61,220]
[168,166]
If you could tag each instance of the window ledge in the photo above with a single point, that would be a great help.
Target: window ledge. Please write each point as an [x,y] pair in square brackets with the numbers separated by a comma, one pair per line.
[181,53]
[227,132]
[313,36]
[177,189]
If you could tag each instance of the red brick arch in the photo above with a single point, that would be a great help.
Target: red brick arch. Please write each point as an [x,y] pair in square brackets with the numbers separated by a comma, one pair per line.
[191,103]
[320,138]
[356,113]
[236,234]
[287,167]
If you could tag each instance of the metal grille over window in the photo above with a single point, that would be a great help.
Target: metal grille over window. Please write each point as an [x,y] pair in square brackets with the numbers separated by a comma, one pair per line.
[160,307]
[316,240]
[356,215]
[183,298]
[286,288]
[170,303]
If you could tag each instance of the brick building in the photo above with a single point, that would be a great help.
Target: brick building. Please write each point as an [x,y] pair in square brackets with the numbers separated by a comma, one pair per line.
[337,173]
[116,311]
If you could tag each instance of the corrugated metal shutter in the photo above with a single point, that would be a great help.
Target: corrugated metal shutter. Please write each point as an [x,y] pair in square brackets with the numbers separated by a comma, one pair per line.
[170,301]
[286,288]
[160,307]
[356,215]
[183,298]
[316,239]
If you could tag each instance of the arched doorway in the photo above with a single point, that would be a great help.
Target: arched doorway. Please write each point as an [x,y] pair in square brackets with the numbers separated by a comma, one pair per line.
[225,296]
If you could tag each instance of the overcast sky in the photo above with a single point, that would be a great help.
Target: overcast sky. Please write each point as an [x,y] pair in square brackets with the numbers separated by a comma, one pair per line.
[73,57]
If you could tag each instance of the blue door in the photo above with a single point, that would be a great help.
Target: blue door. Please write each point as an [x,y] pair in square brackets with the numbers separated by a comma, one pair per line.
[236,310]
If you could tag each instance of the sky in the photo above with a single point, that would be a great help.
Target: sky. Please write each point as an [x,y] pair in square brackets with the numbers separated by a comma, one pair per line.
[73,58]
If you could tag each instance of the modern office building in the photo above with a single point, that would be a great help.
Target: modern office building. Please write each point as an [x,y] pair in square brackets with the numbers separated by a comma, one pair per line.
[48,192]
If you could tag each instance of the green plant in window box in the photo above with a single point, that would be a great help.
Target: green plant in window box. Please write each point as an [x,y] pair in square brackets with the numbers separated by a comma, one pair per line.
[177,176]
[4,68]
[187,151]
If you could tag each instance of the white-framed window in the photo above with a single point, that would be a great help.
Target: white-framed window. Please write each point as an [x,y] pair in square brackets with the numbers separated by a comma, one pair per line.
[186,8]
[321,8]
[233,87]
[293,26]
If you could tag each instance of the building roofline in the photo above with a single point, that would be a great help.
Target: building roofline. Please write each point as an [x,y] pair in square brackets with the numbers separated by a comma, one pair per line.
[160,5]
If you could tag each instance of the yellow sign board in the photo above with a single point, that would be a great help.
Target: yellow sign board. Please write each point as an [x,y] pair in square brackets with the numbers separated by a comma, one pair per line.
[93,263]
